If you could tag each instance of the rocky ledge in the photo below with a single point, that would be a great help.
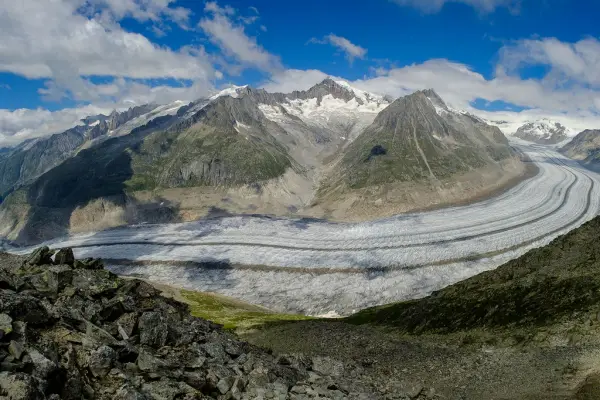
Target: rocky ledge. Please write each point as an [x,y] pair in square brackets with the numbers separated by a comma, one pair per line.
[69,329]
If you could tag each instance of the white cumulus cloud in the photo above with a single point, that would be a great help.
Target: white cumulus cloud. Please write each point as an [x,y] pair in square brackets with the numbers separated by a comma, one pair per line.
[220,26]
[39,41]
[21,124]
[350,50]
[569,62]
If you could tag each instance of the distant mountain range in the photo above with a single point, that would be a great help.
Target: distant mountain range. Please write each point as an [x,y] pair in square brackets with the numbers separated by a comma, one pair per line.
[544,131]
[331,151]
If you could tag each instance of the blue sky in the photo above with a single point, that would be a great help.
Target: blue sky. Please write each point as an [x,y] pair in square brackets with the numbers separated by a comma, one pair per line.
[505,59]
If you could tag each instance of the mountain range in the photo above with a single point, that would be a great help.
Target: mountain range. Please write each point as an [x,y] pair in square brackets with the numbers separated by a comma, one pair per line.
[331,151]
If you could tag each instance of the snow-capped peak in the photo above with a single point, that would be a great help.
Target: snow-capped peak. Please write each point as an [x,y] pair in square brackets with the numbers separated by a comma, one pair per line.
[545,131]
[545,127]
[233,91]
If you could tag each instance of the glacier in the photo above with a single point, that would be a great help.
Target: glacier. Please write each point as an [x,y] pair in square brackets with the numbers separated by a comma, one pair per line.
[319,267]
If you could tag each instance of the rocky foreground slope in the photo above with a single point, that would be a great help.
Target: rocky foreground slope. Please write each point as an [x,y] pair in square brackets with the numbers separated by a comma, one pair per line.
[71,330]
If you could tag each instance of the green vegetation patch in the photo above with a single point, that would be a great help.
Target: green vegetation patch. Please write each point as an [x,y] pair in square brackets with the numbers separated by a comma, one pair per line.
[233,314]
[204,155]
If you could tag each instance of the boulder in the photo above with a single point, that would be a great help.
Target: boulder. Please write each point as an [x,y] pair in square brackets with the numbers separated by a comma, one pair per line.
[52,279]
[22,307]
[96,336]
[43,367]
[147,362]
[101,361]
[15,349]
[215,350]
[225,384]
[153,329]
[19,386]
[40,256]
[95,282]
[5,324]
[126,324]
[64,257]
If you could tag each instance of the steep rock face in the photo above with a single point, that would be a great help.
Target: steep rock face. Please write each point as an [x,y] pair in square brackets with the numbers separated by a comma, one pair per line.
[543,132]
[116,119]
[71,330]
[585,147]
[25,163]
[419,138]
[228,142]
[325,88]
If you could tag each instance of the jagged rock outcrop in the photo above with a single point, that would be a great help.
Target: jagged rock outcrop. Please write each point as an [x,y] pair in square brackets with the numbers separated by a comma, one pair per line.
[70,329]
[116,119]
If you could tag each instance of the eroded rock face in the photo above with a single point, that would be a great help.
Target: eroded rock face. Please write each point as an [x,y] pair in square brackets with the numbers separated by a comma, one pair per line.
[71,330]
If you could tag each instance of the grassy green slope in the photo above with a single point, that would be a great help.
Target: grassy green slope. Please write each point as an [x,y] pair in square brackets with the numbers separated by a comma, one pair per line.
[403,161]
[233,314]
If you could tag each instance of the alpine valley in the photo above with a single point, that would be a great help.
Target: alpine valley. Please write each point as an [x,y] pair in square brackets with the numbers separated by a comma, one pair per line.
[332,151]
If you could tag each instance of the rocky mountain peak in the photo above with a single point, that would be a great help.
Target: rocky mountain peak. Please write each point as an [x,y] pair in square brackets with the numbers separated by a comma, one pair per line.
[116,119]
[435,99]
[328,87]
[409,105]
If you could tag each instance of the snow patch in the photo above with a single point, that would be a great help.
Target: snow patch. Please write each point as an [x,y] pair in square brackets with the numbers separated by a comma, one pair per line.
[347,118]
[232,91]
[240,125]
[159,111]
[366,97]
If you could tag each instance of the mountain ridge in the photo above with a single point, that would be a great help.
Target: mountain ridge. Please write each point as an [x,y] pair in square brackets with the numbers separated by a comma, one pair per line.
[248,150]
